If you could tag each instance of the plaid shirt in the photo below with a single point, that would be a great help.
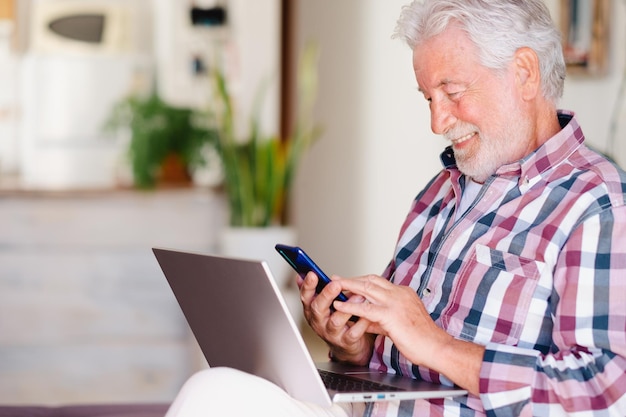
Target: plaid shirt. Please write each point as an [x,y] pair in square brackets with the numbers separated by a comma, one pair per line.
[535,270]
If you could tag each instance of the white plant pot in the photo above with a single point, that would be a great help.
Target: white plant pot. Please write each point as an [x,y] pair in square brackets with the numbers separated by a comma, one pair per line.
[258,243]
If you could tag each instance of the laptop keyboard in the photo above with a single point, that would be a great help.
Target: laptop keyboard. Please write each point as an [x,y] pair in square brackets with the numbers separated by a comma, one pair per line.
[346,383]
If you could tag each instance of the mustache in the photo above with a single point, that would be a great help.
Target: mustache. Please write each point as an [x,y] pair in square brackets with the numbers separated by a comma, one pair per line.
[460,130]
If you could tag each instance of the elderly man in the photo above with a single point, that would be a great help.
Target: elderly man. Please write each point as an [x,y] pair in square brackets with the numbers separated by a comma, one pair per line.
[509,275]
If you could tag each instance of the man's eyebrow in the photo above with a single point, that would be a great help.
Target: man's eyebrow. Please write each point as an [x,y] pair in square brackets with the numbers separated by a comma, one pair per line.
[442,83]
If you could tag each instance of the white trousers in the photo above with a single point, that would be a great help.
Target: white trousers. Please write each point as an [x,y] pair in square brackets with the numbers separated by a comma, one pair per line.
[225,392]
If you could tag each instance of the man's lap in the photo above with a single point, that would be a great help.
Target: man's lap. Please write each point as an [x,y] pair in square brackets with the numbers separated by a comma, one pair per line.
[225,391]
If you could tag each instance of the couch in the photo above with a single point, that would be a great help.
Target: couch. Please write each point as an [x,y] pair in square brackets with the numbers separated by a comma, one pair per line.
[89,410]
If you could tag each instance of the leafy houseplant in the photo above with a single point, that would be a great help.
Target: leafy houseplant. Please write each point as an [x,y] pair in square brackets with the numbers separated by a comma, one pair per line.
[159,132]
[259,170]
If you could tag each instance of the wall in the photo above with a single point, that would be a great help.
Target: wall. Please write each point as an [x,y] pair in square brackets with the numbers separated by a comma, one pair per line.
[248,46]
[378,151]
[595,98]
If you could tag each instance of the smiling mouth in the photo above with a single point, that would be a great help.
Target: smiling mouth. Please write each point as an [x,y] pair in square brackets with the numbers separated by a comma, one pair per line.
[458,141]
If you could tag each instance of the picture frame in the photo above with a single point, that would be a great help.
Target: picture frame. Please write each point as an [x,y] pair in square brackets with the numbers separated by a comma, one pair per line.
[585,28]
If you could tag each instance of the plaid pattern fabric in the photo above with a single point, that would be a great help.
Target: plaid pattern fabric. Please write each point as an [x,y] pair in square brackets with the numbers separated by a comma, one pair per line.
[535,270]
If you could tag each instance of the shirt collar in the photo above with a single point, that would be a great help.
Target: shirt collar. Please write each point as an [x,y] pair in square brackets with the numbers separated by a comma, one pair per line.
[529,169]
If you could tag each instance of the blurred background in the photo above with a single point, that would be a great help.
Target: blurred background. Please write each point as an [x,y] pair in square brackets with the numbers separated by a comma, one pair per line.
[85,313]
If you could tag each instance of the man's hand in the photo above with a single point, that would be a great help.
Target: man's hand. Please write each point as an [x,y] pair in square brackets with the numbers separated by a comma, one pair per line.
[348,341]
[397,312]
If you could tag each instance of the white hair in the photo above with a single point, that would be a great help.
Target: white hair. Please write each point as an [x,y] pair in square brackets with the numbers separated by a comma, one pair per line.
[497,27]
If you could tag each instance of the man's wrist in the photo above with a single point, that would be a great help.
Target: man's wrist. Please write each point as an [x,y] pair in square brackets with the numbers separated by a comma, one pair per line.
[362,358]
[463,363]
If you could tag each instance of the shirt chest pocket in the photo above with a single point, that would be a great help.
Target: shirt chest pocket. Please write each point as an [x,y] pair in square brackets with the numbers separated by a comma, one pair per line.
[491,298]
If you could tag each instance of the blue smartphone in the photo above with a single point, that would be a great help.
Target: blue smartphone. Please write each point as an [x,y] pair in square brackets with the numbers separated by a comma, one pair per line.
[302,263]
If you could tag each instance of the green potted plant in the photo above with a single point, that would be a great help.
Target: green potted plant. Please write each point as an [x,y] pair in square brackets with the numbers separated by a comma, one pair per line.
[259,170]
[164,139]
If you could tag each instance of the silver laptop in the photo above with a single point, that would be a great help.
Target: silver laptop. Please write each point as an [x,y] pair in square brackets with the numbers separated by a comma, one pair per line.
[240,320]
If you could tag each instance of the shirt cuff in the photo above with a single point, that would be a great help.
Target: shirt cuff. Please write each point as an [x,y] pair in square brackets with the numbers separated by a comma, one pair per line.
[506,377]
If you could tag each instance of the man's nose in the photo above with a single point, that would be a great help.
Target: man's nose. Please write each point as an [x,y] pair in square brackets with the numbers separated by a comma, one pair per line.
[441,116]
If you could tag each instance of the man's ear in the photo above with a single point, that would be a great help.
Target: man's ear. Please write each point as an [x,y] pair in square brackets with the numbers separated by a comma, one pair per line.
[528,75]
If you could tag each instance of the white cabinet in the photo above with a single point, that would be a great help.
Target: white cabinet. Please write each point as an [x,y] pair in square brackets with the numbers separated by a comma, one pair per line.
[85,312]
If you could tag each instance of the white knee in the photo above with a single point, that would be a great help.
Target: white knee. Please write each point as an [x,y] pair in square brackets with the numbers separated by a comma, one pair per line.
[229,392]
[219,377]
[218,384]
[221,391]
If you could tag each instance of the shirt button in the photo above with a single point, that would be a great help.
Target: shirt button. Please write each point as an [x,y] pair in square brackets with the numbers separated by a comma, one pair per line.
[426,292]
